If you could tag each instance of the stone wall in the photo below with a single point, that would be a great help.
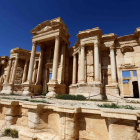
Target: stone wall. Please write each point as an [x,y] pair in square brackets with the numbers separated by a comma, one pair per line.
[50,122]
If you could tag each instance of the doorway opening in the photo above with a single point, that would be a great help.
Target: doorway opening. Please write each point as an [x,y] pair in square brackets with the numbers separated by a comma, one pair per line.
[135,89]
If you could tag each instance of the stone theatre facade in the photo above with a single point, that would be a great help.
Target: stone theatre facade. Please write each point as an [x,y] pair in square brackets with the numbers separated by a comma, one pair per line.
[96,66]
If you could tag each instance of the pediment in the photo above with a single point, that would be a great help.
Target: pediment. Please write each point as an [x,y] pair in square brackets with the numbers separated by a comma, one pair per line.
[49,25]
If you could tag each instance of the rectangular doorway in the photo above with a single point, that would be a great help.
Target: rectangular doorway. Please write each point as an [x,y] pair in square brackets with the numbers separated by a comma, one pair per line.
[135,89]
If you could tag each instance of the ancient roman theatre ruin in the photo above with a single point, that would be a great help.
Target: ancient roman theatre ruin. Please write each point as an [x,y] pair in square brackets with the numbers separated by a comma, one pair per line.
[93,67]
[97,66]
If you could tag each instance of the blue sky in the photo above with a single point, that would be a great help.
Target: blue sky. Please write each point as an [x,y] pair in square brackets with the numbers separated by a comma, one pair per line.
[18,17]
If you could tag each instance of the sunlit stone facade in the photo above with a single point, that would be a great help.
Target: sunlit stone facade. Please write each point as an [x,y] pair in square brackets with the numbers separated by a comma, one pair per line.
[93,67]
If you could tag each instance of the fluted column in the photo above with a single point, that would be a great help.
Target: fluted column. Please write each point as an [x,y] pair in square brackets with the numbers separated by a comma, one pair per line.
[74,70]
[38,81]
[8,72]
[25,71]
[55,59]
[82,64]
[113,65]
[96,61]
[32,59]
[14,70]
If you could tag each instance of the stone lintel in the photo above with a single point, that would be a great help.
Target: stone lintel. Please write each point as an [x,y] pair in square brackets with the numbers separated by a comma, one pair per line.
[119,114]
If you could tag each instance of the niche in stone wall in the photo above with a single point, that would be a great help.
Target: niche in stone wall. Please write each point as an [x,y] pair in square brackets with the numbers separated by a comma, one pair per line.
[19,71]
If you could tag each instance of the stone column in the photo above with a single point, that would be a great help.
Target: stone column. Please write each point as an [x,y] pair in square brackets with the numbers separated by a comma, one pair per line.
[8,72]
[25,71]
[14,70]
[45,79]
[74,70]
[55,60]
[82,64]
[34,72]
[113,65]
[38,81]
[79,70]
[62,63]
[32,59]
[96,61]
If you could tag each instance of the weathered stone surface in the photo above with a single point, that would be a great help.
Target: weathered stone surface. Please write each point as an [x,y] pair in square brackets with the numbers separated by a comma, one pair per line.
[53,122]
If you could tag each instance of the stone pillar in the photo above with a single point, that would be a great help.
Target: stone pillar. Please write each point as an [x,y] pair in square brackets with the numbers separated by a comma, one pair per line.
[122,129]
[79,70]
[39,73]
[62,63]
[96,61]
[34,73]
[55,59]
[14,70]
[113,65]
[32,59]
[25,71]
[45,79]
[74,70]
[82,64]
[8,72]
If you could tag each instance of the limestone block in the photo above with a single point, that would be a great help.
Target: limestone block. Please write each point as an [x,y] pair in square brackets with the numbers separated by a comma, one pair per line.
[71,128]
[11,114]
[53,121]
[90,60]
[34,119]
[97,128]
[122,129]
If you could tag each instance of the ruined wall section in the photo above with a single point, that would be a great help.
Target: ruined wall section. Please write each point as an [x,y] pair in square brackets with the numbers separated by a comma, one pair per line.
[51,122]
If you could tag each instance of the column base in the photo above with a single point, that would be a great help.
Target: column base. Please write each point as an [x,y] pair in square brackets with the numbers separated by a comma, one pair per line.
[7,89]
[53,82]
[28,89]
[55,89]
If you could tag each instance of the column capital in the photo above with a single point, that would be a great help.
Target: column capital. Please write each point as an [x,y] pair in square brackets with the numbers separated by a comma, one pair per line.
[96,43]
[82,46]
[112,47]
[57,37]
[34,43]
[74,55]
